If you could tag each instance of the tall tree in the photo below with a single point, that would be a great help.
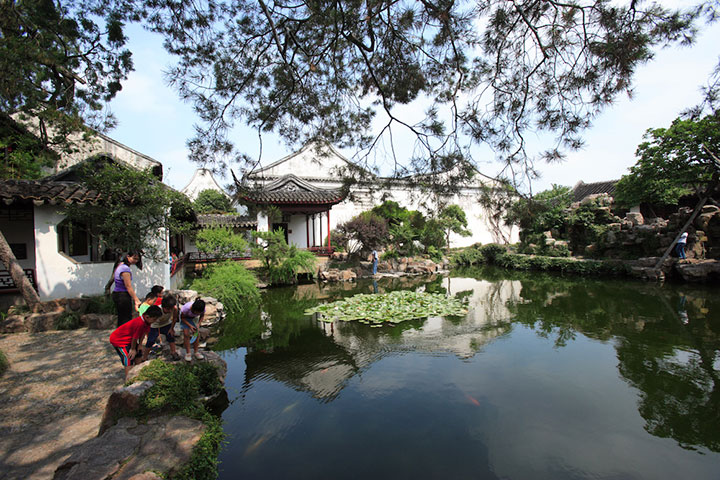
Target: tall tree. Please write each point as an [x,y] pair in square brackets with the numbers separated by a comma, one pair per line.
[134,212]
[488,72]
[453,220]
[673,162]
[61,63]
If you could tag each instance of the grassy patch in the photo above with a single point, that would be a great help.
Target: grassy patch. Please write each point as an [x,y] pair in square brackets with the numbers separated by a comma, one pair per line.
[176,385]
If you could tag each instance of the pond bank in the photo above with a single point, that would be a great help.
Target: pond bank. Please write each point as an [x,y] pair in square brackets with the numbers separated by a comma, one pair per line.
[690,270]
[54,395]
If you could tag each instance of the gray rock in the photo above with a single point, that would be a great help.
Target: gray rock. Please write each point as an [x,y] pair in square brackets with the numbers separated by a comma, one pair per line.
[635,218]
[102,456]
[122,402]
[41,322]
[99,321]
[132,451]
[13,324]
[699,271]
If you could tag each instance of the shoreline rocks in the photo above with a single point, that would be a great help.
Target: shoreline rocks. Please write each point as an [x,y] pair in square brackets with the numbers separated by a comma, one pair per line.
[130,449]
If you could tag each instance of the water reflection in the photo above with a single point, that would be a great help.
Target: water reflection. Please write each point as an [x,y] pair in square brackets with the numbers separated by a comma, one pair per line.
[317,357]
[669,354]
[547,408]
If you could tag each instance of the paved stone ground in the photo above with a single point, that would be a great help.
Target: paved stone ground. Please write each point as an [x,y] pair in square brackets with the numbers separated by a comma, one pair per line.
[52,397]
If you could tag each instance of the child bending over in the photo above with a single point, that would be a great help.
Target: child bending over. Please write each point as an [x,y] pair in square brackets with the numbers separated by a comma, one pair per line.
[189,313]
[127,336]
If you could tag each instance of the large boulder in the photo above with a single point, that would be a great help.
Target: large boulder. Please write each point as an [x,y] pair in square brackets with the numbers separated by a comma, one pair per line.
[699,271]
[124,401]
[41,322]
[13,324]
[636,218]
[131,449]
[99,321]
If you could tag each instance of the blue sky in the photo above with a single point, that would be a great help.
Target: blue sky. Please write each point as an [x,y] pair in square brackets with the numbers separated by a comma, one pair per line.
[155,122]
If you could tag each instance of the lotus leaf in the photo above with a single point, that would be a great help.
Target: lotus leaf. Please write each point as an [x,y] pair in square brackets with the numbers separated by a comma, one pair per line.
[393,307]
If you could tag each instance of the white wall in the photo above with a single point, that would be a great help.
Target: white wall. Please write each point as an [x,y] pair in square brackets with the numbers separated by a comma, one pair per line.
[296,231]
[59,276]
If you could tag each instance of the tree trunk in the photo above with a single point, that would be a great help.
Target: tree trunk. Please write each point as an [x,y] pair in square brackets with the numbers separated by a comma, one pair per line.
[16,273]
[708,193]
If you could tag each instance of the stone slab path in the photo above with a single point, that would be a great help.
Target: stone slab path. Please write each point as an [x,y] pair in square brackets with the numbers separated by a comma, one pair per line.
[52,397]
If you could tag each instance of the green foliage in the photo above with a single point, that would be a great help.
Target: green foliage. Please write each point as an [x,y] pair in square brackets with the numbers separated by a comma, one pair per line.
[453,220]
[231,283]
[101,304]
[212,201]
[545,211]
[477,254]
[132,213]
[23,156]
[493,254]
[62,62]
[176,390]
[392,212]
[435,254]
[67,321]
[221,241]
[672,162]
[282,262]
[4,363]
[364,232]
[389,308]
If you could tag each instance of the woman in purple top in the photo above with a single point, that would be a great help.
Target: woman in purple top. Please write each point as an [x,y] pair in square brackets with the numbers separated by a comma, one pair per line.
[123,293]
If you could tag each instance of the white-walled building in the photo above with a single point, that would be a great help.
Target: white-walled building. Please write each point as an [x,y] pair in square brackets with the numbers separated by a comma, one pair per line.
[62,261]
[318,168]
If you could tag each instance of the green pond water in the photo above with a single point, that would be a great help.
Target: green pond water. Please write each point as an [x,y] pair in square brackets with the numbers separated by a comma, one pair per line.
[546,377]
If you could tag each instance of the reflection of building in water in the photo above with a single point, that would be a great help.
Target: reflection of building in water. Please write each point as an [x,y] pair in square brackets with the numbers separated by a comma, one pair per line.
[488,317]
[321,360]
[313,363]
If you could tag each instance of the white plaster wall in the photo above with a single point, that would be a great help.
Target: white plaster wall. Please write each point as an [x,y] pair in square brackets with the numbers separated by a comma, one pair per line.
[296,231]
[58,276]
[476,215]
[307,163]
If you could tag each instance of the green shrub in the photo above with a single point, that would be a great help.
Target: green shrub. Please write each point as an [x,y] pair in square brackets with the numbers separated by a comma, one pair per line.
[434,254]
[67,321]
[101,304]
[175,389]
[231,283]
[221,241]
[4,363]
[281,261]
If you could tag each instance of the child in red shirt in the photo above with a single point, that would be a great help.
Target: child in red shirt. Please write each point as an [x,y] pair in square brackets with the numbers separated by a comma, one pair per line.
[127,336]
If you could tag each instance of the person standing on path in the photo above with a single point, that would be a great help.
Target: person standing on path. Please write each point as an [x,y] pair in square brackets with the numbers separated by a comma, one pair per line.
[680,247]
[375,261]
[123,294]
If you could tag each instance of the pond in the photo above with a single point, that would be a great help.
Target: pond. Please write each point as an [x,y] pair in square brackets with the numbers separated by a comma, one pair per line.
[546,377]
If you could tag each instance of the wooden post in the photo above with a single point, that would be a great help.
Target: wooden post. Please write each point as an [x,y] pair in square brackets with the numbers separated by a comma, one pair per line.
[307,231]
[329,230]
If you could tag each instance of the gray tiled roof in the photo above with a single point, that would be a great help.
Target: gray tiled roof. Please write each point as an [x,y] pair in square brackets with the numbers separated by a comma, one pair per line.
[220,220]
[582,189]
[45,192]
[293,190]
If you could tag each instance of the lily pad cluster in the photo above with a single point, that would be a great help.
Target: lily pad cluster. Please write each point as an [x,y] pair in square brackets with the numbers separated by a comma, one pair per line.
[393,307]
